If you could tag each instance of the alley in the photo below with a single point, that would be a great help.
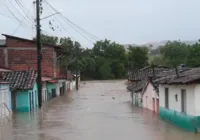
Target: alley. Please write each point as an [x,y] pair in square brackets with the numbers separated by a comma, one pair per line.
[98,111]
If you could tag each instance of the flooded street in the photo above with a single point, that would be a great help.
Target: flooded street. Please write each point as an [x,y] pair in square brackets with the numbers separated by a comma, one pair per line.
[98,111]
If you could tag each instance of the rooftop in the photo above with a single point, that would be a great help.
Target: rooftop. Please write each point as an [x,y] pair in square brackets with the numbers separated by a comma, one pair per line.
[33,41]
[185,77]
[19,80]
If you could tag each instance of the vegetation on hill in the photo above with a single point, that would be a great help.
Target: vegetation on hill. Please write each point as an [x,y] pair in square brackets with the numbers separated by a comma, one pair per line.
[109,60]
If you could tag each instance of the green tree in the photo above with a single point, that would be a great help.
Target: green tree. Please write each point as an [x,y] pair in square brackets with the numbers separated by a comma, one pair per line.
[137,57]
[174,53]
[49,39]
[193,59]
[157,60]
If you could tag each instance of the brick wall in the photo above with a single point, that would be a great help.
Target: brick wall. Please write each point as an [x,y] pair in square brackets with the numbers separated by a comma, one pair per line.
[2,59]
[22,55]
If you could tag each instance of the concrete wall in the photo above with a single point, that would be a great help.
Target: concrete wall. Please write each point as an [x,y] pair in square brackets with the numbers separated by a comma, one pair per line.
[72,85]
[44,92]
[148,96]
[50,86]
[137,99]
[188,120]
[22,101]
[176,105]
[5,97]
[10,58]
[196,100]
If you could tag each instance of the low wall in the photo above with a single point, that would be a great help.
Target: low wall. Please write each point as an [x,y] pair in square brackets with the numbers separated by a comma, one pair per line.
[187,122]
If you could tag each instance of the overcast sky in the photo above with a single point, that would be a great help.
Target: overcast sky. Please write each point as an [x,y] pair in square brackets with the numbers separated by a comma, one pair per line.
[123,21]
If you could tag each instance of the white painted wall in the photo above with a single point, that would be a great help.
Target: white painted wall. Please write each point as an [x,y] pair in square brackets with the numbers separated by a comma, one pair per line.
[148,96]
[72,85]
[197,99]
[176,105]
[57,89]
[4,112]
[44,92]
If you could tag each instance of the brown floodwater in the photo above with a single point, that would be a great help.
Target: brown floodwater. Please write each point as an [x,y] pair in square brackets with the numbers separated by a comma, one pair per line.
[100,110]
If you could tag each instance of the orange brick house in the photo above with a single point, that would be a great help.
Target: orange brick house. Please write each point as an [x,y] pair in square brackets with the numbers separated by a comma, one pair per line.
[21,54]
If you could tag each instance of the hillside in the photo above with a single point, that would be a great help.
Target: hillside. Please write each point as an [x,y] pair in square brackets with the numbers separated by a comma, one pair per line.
[155,45]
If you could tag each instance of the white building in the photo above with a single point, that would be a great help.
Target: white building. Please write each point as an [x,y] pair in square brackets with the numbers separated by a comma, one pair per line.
[5,103]
[180,99]
[136,92]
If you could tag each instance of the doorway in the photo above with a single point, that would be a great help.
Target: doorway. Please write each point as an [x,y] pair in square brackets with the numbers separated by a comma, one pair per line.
[157,105]
[153,104]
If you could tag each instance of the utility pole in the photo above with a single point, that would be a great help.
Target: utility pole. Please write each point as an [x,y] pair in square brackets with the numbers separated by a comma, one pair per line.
[39,55]
[76,53]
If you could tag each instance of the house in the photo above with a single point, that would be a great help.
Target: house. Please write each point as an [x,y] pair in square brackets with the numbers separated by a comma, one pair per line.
[136,92]
[51,54]
[23,87]
[5,102]
[150,97]
[179,99]
[44,88]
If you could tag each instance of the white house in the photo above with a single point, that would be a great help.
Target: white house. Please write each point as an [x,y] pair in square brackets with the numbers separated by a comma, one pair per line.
[5,103]
[136,92]
[180,99]
[150,97]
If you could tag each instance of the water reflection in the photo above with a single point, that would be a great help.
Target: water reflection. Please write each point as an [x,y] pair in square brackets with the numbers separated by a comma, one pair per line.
[87,115]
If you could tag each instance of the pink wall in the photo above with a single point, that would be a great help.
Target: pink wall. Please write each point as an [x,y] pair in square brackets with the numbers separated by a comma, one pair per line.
[150,98]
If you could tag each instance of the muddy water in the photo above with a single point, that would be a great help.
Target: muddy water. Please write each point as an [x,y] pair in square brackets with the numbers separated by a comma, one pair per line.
[98,111]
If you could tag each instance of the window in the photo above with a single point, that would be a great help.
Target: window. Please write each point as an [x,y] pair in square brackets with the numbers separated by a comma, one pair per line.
[183,101]
[166,98]
[176,98]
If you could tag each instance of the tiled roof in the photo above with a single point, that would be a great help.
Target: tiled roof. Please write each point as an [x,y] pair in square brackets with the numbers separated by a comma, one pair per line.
[19,80]
[143,74]
[185,77]
[138,75]
[138,86]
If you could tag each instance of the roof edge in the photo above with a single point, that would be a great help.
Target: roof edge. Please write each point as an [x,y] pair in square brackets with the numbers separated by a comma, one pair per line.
[29,40]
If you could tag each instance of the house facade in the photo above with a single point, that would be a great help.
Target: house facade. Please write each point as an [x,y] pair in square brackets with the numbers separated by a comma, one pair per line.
[5,102]
[136,92]
[150,98]
[180,105]
[23,87]
[51,54]
[179,99]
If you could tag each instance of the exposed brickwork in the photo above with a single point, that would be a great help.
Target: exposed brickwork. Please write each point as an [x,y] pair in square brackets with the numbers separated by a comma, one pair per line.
[10,42]
[2,58]
[22,55]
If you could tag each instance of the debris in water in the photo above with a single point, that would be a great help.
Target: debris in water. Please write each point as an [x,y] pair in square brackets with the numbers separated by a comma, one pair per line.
[102,95]
[113,97]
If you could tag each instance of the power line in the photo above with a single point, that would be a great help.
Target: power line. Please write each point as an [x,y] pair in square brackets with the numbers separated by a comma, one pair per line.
[6,6]
[24,9]
[69,22]
[20,24]
[59,22]
[14,7]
